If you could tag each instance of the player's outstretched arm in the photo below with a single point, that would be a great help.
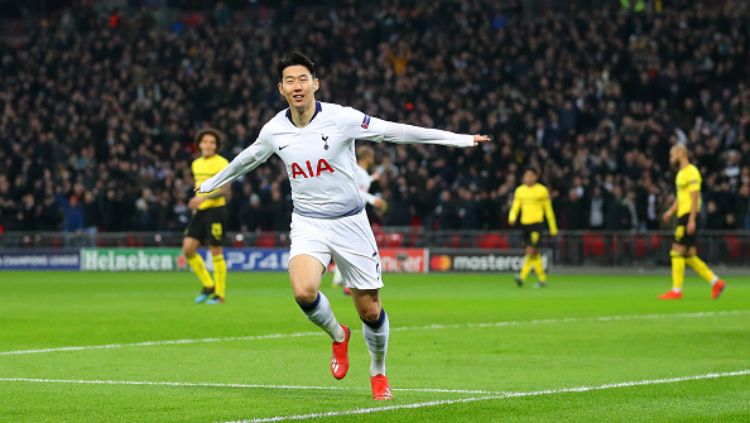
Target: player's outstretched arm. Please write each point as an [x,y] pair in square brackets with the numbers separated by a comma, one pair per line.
[514,209]
[365,127]
[550,215]
[401,133]
[250,158]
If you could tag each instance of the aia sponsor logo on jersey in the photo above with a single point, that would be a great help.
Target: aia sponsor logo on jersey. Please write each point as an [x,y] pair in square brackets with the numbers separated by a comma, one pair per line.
[307,170]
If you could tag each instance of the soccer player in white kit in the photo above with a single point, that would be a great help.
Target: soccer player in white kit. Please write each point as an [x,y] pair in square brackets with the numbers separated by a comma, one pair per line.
[315,140]
[365,160]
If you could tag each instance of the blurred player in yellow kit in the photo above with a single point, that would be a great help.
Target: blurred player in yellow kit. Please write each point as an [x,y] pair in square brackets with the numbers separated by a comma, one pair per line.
[687,205]
[532,200]
[207,222]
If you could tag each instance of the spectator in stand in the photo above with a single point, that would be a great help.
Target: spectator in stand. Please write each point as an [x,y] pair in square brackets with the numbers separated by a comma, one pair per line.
[593,98]
[73,221]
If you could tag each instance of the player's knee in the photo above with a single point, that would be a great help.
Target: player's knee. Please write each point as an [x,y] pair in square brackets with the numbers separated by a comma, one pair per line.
[188,251]
[370,314]
[216,251]
[305,295]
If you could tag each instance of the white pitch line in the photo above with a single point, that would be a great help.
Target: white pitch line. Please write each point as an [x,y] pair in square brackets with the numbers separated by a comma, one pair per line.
[230,385]
[162,342]
[576,389]
[396,329]
[575,320]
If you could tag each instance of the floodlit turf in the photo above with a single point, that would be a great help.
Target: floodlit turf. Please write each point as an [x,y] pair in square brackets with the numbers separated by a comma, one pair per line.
[554,339]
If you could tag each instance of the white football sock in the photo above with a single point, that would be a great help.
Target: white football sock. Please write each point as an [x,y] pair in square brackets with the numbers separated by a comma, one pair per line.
[377,343]
[320,313]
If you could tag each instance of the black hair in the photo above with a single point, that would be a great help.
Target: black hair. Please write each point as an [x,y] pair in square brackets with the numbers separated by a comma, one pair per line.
[532,170]
[295,58]
[210,131]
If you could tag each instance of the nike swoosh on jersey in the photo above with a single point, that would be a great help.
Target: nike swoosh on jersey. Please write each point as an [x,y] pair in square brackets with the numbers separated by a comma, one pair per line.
[281,147]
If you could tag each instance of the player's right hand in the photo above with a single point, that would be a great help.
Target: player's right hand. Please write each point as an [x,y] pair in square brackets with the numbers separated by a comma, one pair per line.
[667,215]
[195,202]
[478,139]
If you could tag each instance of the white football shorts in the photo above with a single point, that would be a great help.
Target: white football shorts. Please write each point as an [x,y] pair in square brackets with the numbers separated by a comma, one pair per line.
[348,240]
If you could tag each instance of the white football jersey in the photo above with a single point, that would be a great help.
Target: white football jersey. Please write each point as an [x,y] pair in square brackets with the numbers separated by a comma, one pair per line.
[364,180]
[320,159]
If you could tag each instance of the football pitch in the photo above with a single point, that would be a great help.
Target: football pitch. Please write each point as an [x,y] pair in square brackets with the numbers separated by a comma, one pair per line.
[133,347]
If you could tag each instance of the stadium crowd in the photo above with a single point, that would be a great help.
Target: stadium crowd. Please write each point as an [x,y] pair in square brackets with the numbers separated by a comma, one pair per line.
[99,111]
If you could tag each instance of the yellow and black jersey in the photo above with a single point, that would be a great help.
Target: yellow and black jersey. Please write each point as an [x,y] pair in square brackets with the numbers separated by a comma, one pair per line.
[534,204]
[204,168]
[688,181]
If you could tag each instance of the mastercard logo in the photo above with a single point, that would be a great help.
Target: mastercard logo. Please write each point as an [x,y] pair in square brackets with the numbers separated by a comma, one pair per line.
[442,263]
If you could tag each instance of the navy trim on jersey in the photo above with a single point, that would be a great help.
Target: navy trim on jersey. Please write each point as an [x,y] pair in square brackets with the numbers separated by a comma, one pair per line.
[318,109]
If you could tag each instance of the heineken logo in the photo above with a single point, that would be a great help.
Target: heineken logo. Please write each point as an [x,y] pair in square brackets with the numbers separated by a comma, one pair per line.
[129,259]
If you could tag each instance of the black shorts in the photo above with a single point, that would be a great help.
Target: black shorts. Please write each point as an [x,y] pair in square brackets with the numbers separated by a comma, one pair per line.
[207,226]
[681,236]
[532,234]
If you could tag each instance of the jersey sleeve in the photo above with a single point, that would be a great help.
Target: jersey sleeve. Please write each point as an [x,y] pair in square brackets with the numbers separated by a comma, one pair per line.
[515,208]
[361,126]
[549,213]
[366,181]
[693,181]
[689,180]
[250,158]
[367,197]
[192,169]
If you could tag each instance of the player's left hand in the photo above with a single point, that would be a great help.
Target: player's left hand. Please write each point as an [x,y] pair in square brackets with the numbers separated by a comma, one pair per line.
[478,139]
[381,205]
[195,202]
[691,227]
[667,215]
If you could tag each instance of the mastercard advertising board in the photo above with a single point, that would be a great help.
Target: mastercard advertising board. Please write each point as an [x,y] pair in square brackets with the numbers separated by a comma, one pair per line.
[461,260]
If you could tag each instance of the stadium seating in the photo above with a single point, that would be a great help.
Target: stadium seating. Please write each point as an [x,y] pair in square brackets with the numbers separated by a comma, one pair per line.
[583,128]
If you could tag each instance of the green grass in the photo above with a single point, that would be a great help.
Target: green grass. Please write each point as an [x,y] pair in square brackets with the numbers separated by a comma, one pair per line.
[48,310]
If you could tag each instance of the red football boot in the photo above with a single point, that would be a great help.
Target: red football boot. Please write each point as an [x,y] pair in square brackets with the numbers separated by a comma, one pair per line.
[671,295]
[340,356]
[717,289]
[381,389]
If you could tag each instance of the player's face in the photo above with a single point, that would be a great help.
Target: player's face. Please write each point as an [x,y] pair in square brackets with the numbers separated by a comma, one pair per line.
[368,161]
[207,145]
[674,157]
[298,86]
[529,178]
